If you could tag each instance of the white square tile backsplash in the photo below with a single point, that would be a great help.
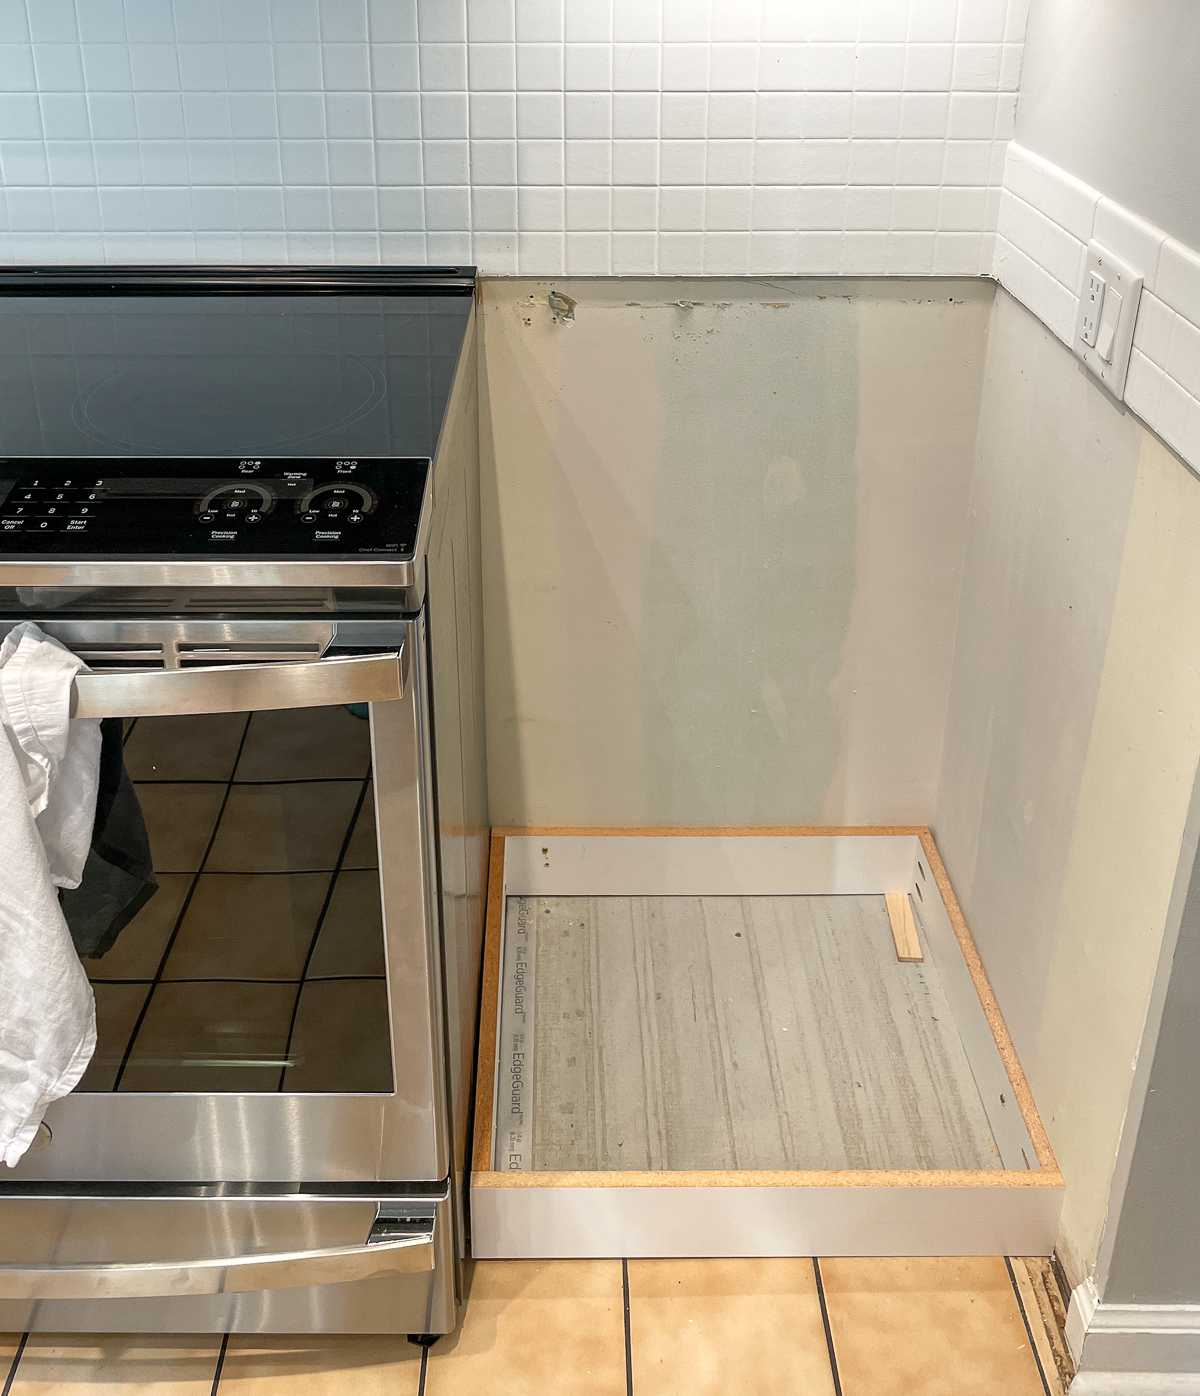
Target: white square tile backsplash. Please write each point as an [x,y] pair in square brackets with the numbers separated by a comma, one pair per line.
[672,136]
[1046,218]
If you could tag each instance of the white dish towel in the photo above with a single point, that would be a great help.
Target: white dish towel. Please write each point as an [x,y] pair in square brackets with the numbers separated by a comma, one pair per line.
[49,771]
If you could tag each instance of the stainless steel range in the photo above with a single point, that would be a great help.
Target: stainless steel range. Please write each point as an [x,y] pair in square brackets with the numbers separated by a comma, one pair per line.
[248,498]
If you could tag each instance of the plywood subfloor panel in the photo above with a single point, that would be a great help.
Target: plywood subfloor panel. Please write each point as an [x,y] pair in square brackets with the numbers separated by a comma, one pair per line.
[726,1033]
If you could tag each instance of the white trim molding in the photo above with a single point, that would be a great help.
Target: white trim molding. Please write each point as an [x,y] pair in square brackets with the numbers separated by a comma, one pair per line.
[1133,1349]
[1046,218]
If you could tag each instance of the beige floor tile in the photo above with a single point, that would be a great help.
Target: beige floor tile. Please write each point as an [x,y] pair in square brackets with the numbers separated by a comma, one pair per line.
[116,1365]
[350,1365]
[248,926]
[361,850]
[727,1327]
[139,946]
[117,1009]
[197,746]
[531,1327]
[283,828]
[211,1037]
[342,1040]
[305,744]
[928,1327]
[8,1349]
[179,820]
[351,939]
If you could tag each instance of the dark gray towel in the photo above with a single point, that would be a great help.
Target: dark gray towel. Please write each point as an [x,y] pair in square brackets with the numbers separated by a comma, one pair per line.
[118,877]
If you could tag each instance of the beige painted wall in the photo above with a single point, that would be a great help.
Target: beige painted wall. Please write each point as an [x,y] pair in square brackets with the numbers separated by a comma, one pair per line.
[1073,735]
[722,547]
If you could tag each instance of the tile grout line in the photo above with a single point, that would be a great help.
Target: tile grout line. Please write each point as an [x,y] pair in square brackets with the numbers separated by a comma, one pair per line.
[12,1371]
[316,935]
[628,1334]
[183,911]
[1037,1356]
[220,1364]
[424,1371]
[833,1366]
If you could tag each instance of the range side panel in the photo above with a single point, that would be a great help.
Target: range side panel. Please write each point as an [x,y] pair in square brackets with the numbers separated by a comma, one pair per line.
[455,620]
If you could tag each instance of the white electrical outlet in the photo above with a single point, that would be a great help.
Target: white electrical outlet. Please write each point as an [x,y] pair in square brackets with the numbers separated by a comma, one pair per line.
[1108,307]
[1091,301]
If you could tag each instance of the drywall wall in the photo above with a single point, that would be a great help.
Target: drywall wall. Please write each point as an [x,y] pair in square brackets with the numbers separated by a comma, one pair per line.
[723,534]
[590,136]
[1073,735]
[1156,1245]
[1109,93]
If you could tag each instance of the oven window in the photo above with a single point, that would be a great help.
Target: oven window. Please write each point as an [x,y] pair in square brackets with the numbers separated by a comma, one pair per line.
[258,964]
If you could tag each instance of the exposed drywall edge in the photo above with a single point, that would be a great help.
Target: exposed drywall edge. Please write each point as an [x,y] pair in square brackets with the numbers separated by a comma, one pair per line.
[1121,886]
[1189,847]
[1045,221]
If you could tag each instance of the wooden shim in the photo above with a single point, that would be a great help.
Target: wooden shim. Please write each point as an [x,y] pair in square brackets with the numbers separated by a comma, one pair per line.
[489,1012]
[904,928]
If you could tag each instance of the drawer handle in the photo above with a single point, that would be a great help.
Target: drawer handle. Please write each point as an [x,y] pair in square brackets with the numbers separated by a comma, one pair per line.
[406,1255]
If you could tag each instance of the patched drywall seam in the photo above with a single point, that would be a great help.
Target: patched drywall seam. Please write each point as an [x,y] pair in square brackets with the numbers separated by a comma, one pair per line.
[747,596]
[921,358]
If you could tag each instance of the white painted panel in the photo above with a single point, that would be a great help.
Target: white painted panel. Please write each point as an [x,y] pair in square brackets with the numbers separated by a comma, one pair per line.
[708,866]
[547,1223]
[941,945]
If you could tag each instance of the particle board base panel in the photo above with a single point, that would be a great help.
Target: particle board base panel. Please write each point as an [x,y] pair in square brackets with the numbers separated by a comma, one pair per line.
[948,1158]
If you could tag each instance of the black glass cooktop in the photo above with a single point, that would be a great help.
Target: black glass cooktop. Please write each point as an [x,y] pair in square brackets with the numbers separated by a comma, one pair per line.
[233,362]
[301,506]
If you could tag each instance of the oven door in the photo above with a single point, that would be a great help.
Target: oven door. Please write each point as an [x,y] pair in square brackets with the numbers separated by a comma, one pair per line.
[273,1012]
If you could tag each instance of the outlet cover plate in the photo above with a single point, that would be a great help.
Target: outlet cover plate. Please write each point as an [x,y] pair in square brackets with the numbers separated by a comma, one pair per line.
[1118,276]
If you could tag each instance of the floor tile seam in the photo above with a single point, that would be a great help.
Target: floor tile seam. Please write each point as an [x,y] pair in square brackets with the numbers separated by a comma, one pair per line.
[829,1345]
[364,788]
[216,1381]
[216,781]
[628,1326]
[1033,1347]
[12,1369]
[174,936]
[259,979]
[256,872]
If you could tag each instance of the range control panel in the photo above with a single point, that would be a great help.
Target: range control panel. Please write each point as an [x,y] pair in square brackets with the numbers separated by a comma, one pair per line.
[135,506]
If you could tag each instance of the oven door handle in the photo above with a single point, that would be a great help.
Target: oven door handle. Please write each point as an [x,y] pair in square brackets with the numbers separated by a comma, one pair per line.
[408,1255]
[239,688]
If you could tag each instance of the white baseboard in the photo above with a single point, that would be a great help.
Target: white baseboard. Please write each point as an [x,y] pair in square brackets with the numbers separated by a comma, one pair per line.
[1084,1301]
[1131,1349]
[1136,1384]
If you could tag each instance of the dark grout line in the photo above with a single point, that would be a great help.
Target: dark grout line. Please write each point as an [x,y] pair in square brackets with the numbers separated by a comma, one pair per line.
[212,780]
[183,911]
[833,1366]
[424,1370]
[12,1371]
[628,1334]
[316,935]
[1033,1347]
[220,1364]
[259,872]
[228,979]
